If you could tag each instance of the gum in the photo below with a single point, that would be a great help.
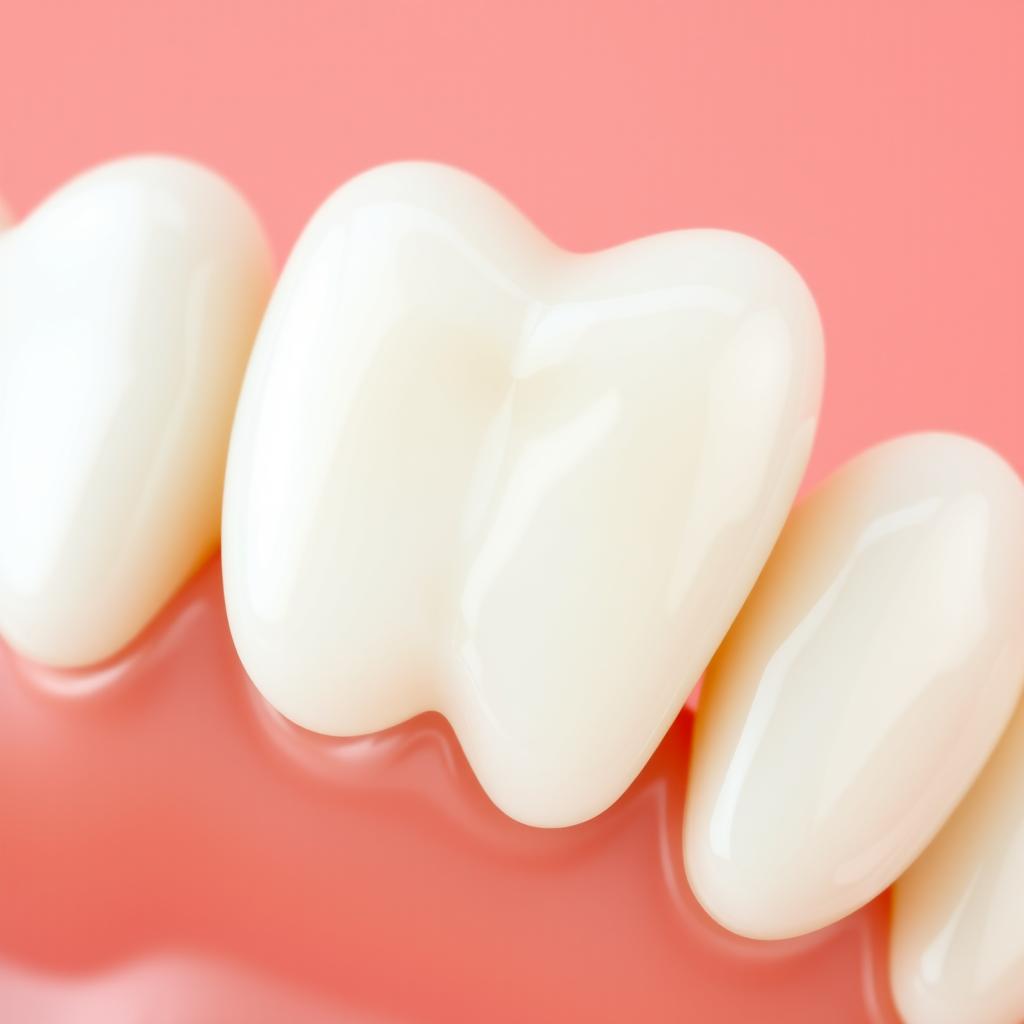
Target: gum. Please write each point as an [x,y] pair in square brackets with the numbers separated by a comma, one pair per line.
[170,842]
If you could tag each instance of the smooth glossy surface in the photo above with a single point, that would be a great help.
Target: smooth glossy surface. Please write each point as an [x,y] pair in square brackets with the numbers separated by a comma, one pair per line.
[958,913]
[862,687]
[174,852]
[128,305]
[530,489]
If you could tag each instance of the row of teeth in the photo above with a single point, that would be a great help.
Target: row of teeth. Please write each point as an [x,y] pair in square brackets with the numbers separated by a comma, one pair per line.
[471,472]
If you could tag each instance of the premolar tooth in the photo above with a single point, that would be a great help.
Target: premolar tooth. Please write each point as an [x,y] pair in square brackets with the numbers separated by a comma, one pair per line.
[958,914]
[861,688]
[128,304]
[474,473]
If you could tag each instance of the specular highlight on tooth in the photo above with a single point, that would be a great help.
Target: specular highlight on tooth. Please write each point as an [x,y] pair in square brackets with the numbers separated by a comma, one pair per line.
[128,304]
[862,687]
[475,473]
[958,914]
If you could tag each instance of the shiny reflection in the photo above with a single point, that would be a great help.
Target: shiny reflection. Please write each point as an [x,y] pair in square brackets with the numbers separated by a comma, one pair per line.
[544,462]
[775,684]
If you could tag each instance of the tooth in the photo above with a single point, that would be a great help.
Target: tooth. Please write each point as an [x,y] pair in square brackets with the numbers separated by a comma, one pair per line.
[861,688]
[958,913]
[957,935]
[473,473]
[128,304]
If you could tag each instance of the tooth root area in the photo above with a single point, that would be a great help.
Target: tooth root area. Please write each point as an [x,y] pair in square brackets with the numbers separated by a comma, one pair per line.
[862,687]
[128,303]
[957,949]
[471,472]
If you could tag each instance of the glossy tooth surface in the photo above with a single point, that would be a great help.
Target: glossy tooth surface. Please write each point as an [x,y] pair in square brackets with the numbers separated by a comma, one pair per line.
[474,473]
[128,305]
[862,687]
[958,914]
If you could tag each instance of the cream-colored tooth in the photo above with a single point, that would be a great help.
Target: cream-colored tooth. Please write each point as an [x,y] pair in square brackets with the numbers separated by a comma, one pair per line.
[862,687]
[475,473]
[128,305]
[957,946]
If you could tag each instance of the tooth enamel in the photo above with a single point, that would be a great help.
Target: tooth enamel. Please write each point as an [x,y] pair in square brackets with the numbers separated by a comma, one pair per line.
[958,914]
[128,304]
[861,688]
[473,473]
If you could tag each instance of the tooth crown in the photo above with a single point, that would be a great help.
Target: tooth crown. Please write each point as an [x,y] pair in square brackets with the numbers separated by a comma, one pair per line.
[862,687]
[474,473]
[128,303]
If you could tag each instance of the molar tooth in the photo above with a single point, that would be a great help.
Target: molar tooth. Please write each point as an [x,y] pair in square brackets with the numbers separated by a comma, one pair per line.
[529,489]
[958,914]
[862,687]
[128,304]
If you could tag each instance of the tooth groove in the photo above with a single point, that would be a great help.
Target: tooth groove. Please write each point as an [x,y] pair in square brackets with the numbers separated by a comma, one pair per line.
[529,489]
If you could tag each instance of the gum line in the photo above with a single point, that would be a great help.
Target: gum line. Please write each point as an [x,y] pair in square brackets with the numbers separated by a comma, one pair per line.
[170,840]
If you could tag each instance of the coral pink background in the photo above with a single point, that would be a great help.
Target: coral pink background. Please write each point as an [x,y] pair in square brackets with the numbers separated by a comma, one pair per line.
[879,145]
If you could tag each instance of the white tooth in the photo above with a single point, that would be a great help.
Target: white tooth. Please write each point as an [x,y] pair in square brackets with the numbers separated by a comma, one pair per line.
[474,473]
[958,914]
[128,305]
[861,688]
